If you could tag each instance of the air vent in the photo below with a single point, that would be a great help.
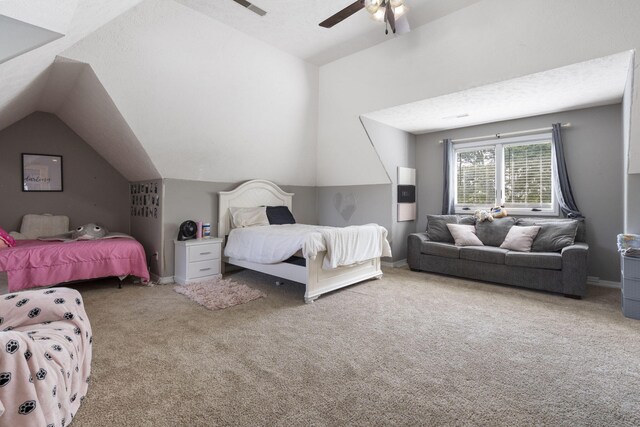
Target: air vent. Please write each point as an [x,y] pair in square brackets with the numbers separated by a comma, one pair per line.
[252,7]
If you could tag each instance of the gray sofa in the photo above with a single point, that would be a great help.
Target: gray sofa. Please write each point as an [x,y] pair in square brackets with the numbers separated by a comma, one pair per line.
[563,270]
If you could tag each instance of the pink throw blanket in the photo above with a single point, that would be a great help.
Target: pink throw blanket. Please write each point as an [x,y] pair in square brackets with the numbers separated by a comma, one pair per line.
[33,263]
[46,357]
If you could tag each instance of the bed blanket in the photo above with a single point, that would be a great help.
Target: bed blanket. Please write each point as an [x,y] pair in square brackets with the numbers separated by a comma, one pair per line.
[45,361]
[275,243]
[33,263]
[355,244]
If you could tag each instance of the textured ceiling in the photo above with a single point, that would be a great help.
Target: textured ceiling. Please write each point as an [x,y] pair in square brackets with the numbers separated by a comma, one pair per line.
[292,25]
[597,82]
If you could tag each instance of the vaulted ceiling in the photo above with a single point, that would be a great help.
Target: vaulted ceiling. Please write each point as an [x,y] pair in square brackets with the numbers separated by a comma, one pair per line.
[208,90]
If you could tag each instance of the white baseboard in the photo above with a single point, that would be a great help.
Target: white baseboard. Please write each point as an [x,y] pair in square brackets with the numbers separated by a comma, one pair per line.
[396,264]
[161,280]
[595,281]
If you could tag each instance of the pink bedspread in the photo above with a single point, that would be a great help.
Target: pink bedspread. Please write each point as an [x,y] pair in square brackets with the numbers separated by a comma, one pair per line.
[33,263]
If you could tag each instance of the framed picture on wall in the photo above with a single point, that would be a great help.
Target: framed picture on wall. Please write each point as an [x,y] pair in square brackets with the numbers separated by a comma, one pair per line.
[41,172]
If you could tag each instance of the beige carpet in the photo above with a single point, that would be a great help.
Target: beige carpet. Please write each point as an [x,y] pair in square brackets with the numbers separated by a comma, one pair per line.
[411,349]
[217,294]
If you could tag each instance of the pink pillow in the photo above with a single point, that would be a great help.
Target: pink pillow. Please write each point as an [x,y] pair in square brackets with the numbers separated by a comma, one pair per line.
[6,239]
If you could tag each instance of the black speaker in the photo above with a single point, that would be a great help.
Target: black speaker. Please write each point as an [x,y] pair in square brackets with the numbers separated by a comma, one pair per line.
[187,230]
[406,193]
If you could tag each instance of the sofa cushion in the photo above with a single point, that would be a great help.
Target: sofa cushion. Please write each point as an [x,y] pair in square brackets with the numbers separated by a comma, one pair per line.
[553,235]
[467,220]
[487,254]
[520,238]
[545,260]
[464,235]
[437,230]
[493,233]
[446,250]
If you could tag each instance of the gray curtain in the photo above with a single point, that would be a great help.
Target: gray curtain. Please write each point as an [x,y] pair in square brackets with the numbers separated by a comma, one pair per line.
[564,194]
[447,164]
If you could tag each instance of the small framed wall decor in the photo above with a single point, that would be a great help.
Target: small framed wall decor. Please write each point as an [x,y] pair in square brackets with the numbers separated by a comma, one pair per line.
[41,172]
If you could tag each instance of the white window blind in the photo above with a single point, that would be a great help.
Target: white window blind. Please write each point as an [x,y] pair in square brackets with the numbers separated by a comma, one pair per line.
[527,175]
[516,173]
[476,176]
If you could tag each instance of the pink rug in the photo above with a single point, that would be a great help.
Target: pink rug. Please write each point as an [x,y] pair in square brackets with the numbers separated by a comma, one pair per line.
[217,294]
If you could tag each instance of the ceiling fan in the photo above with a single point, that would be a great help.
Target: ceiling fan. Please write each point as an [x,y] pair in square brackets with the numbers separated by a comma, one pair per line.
[391,12]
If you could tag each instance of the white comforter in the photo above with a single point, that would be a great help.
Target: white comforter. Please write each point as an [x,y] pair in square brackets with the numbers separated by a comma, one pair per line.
[276,243]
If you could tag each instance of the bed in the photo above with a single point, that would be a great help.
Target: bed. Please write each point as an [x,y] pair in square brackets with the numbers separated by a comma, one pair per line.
[35,263]
[310,272]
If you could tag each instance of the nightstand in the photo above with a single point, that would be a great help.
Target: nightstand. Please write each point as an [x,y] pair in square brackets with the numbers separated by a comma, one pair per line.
[198,260]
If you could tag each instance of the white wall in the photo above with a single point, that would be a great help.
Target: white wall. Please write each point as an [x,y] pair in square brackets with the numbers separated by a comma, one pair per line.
[487,42]
[207,102]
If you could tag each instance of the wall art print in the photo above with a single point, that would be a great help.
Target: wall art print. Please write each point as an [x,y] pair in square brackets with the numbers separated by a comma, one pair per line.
[145,200]
[41,172]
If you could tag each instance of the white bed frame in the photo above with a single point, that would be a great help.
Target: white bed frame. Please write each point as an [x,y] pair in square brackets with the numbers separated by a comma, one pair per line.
[317,280]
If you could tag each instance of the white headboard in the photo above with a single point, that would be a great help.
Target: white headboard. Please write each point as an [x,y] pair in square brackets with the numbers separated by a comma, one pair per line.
[258,192]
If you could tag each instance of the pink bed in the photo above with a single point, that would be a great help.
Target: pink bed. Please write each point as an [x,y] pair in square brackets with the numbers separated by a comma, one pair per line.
[33,263]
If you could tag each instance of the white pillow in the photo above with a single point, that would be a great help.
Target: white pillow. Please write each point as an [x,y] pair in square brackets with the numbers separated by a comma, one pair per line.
[464,235]
[249,217]
[520,238]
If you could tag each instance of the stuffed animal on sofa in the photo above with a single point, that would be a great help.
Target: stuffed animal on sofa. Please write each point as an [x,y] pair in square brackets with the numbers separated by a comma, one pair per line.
[498,212]
[482,215]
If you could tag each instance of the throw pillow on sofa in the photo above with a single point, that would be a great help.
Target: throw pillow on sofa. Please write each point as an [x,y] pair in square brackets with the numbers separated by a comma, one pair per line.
[437,230]
[520,238]
[464,235]
[494,233]
[553,235]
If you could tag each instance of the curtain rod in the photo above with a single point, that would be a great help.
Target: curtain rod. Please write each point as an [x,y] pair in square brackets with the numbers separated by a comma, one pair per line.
[505,134]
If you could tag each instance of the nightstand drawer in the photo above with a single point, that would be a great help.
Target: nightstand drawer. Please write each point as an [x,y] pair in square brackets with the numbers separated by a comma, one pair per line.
[203,269]
[204,252]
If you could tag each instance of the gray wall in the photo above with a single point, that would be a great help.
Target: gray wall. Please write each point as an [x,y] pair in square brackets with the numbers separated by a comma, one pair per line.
[396,148]
[594,155]
[93,190]
[198,200]
[355,205]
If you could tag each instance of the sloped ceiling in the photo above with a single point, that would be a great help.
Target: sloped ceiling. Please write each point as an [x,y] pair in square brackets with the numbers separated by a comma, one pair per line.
[292,25]
[74,93]
[23,78]
[206,101]
[19,37]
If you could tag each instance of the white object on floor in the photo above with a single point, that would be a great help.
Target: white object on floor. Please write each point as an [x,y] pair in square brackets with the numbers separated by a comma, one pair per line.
[197,259]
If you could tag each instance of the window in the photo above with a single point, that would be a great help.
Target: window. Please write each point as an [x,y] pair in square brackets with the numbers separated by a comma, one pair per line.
[516,173]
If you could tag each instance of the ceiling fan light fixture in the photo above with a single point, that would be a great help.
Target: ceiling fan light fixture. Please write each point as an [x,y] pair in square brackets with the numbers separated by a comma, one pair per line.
[373,6]
[398,11]
[396,3]
[379,14]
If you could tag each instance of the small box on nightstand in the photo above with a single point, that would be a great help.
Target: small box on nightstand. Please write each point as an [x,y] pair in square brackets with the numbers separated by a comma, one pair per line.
[198,260]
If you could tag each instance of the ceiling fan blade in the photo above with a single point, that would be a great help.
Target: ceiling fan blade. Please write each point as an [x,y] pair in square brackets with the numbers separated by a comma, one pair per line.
[402,25]
[343,14]
[390,18]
